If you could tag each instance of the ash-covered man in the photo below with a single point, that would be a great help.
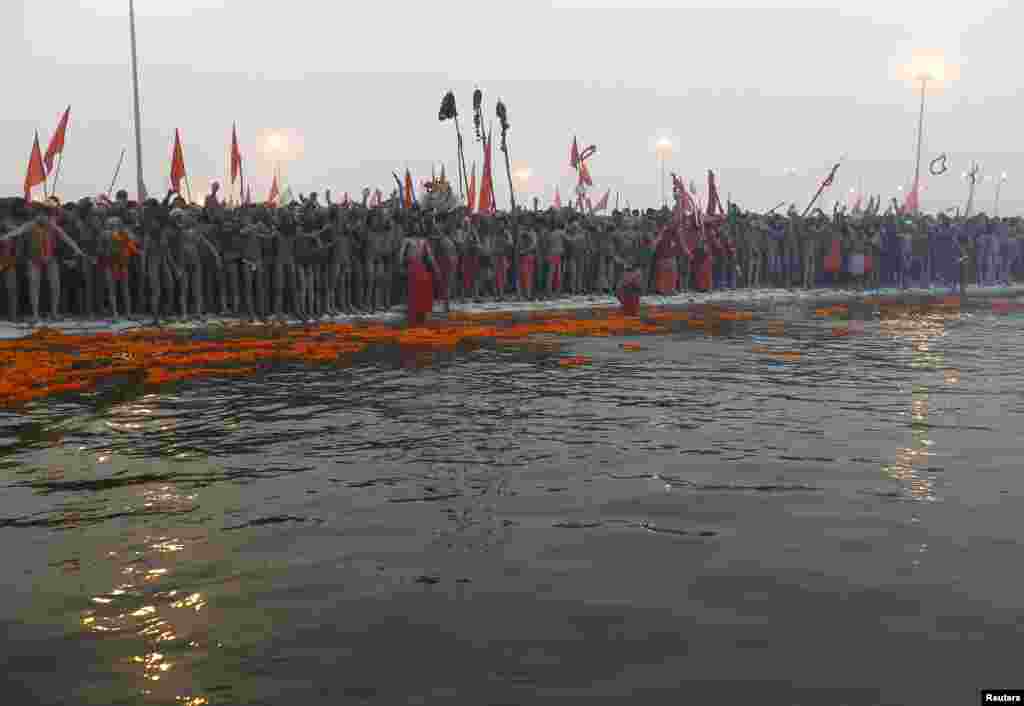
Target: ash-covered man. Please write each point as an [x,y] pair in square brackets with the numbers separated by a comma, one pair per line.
[39,241]
[116,247]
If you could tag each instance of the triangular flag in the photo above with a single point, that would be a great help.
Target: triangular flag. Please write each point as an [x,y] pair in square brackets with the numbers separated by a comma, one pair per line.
[57,141]
[274,192]
[36,174]
[177,164]
[910,205]
[410,198]
[558,198]
[486,200]
[603,203]
[236,156]
[471,196]
[585,174]
[714,201]
[574,154]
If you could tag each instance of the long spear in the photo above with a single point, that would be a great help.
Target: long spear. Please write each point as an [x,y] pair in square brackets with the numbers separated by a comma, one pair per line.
[449,110]
[117,171]
[503,118]
[824,185]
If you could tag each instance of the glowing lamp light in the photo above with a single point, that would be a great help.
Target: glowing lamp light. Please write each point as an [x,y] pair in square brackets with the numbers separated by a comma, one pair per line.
[663,148]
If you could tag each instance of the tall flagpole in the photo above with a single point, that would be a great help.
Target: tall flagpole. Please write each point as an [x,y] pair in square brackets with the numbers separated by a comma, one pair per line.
[920,135]
[138,114]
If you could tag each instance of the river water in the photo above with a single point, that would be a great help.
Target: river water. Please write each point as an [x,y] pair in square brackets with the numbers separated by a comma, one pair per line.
[764,511]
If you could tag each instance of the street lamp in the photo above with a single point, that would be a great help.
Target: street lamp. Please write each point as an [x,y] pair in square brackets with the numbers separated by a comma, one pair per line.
[924,67]
[664,151]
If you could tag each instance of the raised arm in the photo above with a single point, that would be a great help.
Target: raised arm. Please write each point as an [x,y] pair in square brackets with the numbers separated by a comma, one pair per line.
[69,240]
[20,230]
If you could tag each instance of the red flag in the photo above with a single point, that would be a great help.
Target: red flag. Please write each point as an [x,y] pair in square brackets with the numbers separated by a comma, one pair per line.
[558,198]
[714,201]
[248,195]
[585,174]
[178,164]
[236,156]
[409,198]
[274,193]
[36,174]
[471,196]
[486,200]
[603,203]
[910,205]
[574,154]
[57,141]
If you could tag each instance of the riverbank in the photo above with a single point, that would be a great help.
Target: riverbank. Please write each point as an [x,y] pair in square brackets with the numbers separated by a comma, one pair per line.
[739,298]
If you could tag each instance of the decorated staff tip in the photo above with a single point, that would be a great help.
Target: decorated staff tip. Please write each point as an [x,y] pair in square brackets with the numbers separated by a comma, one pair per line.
[502,116]
[478,116]
[448,110]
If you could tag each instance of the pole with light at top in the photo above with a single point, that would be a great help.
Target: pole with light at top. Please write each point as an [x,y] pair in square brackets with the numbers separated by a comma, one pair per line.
[138,113]
[664,151]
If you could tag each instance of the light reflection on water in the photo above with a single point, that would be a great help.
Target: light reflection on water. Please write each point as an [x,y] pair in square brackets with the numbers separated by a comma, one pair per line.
[194,536]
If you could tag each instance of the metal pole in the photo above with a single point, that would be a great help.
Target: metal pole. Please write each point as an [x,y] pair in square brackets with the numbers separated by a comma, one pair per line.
[999,185]
[138,114]
[664,198]
[920,135]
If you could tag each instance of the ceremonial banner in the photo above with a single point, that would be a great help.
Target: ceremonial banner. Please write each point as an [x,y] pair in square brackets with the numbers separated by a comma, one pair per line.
[274,193]
[236,156]
[177,164]
[57,141]
[36,174]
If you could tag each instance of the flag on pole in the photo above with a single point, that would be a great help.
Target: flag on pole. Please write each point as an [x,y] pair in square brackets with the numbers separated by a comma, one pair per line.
[236,156]
[274,193]
[602,204]
[248,195]
[585,174]
[410,198]
[558,198]
[574,154]
[36,173]
[486,200]
[714,201]
[471,196]
[177,164]
[57,141]
[910,204]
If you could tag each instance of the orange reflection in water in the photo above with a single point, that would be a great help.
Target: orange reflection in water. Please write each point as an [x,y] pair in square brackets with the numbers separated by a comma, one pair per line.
[141,607]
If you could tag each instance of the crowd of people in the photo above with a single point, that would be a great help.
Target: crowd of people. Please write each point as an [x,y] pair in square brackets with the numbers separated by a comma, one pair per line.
[311,258]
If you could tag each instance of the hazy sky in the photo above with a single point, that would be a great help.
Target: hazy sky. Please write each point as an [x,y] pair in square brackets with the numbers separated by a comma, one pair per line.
[749,89]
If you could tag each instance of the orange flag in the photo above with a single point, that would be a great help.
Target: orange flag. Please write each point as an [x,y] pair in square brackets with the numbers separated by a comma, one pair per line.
[236,156]
[486,202]
[274,193]
[409,197]
[472,190]
[585,174]
[177,164]
[36,174]
[558,198]
[57,141]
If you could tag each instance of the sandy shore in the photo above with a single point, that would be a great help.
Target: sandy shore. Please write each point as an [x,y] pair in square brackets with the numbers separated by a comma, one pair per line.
[739,298]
